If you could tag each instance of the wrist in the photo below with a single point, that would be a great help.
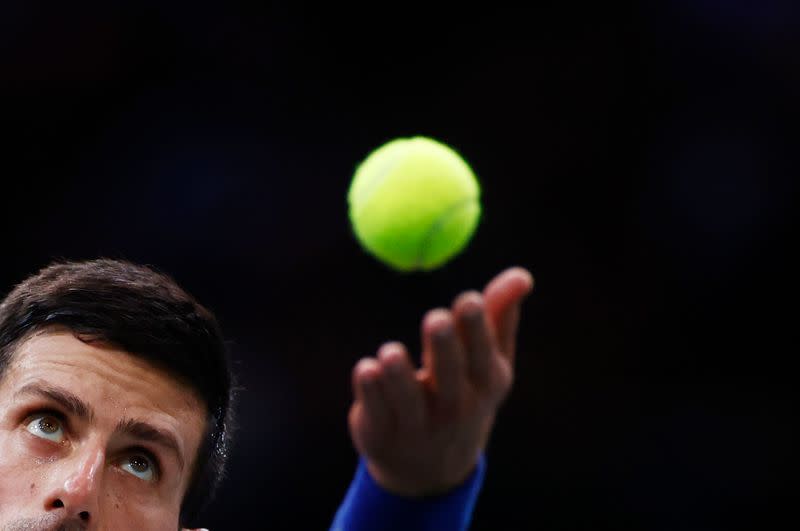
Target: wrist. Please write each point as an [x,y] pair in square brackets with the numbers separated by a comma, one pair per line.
[416,485]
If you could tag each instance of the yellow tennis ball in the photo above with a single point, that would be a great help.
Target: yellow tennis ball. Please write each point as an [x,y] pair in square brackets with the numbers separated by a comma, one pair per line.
[414,203]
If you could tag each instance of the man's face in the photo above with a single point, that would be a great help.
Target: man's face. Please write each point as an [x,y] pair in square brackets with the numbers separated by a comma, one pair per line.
[92,437]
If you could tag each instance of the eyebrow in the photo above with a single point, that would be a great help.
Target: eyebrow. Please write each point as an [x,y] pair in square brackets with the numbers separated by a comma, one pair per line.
[147,432]
[133,428]
[61,396]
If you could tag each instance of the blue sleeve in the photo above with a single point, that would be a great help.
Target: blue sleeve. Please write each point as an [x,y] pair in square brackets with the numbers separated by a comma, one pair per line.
[368,507]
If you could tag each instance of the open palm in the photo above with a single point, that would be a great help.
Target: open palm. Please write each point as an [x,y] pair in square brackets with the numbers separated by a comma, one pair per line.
[422,430]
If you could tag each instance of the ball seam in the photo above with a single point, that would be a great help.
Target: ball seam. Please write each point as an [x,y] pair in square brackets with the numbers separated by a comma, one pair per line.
[436,226]
[371,187]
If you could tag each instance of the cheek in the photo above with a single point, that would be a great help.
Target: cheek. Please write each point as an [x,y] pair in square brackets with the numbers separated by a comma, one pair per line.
[22,454]
[20,479]
[129,506]
[125,512]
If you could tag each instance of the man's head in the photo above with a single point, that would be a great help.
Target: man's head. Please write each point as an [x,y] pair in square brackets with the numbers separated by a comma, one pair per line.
[114,400]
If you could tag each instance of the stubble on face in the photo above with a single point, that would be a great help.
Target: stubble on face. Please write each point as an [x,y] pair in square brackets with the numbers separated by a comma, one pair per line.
[46,523]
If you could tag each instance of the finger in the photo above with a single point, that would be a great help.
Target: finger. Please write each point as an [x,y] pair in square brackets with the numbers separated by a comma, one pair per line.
[468,311]
[375,417]
[402,391]
[502,297]
[445,358]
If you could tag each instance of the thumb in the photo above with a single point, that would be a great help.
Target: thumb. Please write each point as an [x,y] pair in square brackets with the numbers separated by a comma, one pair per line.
[503,296]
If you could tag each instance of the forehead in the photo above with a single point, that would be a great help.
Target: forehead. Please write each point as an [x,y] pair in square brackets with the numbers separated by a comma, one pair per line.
[116,382]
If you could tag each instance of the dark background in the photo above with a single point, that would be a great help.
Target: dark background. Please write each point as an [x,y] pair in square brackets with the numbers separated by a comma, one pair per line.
[638,158]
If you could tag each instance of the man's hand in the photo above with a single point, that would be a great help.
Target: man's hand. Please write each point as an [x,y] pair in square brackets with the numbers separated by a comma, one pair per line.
[422,430]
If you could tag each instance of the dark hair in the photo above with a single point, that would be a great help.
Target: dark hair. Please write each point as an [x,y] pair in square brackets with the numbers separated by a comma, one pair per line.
[145,313]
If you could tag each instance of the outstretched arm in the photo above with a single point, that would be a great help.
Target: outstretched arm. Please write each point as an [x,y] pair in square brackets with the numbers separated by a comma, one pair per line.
[421,432]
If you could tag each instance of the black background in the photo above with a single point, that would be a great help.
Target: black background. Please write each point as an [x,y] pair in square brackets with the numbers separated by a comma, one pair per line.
[638,158]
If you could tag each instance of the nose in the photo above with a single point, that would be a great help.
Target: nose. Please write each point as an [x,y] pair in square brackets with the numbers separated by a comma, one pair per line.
[76,488]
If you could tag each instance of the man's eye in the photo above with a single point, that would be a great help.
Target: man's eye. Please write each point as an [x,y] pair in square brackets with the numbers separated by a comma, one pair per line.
[47,427]
[140,466]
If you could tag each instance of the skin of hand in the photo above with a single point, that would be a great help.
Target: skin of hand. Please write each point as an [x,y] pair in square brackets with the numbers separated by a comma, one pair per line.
[422,430]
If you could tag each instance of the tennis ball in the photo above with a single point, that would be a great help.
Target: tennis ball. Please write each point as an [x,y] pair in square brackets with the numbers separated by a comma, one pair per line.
[414,203]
